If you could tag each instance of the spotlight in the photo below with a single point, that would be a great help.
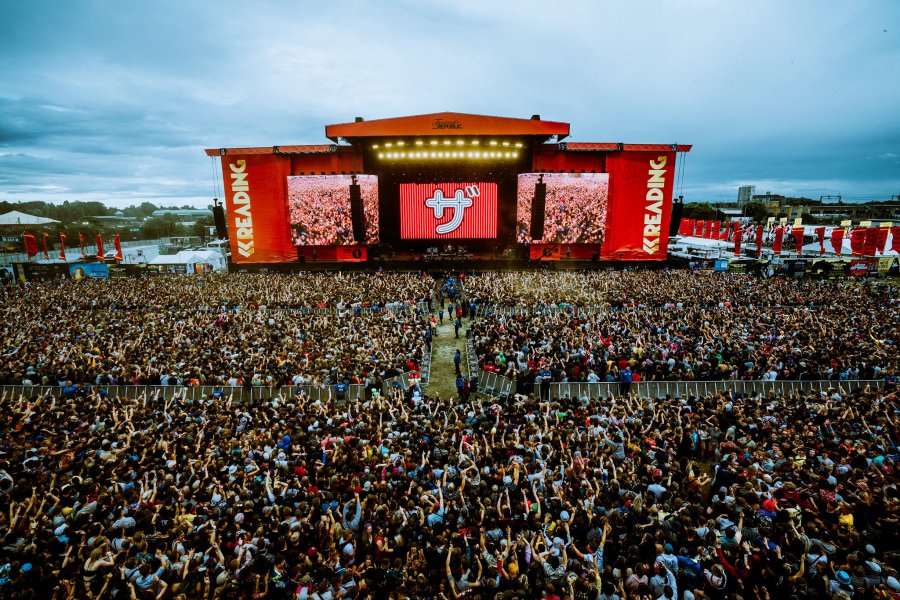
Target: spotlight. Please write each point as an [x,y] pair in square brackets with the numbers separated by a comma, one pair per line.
[506,143]
[518,144]
[419,142]
[433,142]
[400,143]
[388,145]
[493,142]
[447,142]
[475,142]
[460,142]
[380,155]
[375,146]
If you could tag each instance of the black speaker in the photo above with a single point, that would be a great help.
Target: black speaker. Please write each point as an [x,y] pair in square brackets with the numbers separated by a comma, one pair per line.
[538,207]
[357,216]
[219,218]
[677,208]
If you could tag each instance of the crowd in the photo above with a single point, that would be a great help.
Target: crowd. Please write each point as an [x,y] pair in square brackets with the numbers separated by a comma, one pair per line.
[222,330]
[320,209]
[575,209]
[410,495]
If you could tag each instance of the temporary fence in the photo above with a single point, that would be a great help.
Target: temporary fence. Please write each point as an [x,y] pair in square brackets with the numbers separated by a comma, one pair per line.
[659,389]
[494,384]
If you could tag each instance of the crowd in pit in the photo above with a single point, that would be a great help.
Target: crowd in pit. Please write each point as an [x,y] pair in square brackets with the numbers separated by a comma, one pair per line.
[320,209]
[575,209]
[239,330]
[661,330]
[411,495]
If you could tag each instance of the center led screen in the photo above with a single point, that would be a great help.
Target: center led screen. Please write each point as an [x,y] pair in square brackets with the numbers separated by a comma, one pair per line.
[448,211]
[575,210]
[320,209]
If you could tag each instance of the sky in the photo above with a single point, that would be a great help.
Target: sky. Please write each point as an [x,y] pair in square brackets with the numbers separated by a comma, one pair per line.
[115,101]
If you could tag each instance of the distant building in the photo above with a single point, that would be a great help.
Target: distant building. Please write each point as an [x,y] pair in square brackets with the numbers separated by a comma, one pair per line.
[183,214]
[745,193]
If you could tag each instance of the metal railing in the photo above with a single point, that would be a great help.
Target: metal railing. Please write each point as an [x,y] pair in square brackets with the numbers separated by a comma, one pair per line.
[239,395]
[494,384]
[659,389]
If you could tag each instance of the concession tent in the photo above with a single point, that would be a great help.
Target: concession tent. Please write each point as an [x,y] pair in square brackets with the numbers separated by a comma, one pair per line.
[16,217]
[190,262]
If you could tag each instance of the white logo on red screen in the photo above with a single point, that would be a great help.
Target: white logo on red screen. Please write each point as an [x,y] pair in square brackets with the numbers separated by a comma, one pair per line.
[460,201]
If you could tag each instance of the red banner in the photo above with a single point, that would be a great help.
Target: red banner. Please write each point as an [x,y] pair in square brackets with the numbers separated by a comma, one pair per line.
[81,243]
[820,233]
[837,240]
[686,227]
[708,231]
[99,248]
[31,247]
[448,211]
[779,238]
[895,239]
[881,241]
[870,243]
[640,204]
[44,245]
[118,246]
[759,238]
[62,246]
[257,208]
[717,230]
[701,229]
[857,237]
[797,232]
[738,236]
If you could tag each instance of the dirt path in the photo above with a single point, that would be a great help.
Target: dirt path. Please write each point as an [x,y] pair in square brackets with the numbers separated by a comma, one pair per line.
[442,380]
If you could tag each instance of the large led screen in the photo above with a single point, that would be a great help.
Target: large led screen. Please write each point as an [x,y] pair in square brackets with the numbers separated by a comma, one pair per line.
[575,210]
[448,211]
[320,209]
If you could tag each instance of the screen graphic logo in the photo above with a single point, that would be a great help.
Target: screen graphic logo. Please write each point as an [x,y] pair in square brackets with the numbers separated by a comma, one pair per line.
[459,203]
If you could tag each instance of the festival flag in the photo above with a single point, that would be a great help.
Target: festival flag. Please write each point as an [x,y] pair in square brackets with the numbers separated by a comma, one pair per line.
[837,240]
[44,244]
[62,246]
[797,232]
[759,238]
[737,239]
[857,237]
[871,241]
[118,246]
[895,240]
[709,229]
[717,230]
[99,248]
[820,233]
[685,226]
[81,242]
[779,237]
[881,240]
[31,247]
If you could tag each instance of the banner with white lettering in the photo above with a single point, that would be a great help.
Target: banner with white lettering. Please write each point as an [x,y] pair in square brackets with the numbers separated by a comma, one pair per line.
[640,205]
[257,208]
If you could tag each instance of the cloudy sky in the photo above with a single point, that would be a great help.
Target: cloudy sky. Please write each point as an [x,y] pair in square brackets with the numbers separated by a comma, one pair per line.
[114,101]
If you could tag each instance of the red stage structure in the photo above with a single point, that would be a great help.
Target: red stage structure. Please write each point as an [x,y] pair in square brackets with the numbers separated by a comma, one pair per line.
[449,177]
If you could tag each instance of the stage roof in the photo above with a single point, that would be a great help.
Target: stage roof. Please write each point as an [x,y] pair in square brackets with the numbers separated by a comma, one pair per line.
[447,124]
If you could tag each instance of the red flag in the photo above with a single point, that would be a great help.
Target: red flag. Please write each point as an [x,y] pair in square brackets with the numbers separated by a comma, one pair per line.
[686,227]
[118,246]
[717,230]
[759,236]
[837,240]
[99,248]
[779,238]
[797,232]
[737,239]
[31,248]
[820,233]
[857,237]
[709,226]
[62,246]
[44,244]
[699,231]
[881,241]
[81,241]
[871,241]
[895,240]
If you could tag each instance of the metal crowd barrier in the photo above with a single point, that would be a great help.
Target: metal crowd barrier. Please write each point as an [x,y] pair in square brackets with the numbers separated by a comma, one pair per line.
[659,389]
[493,384]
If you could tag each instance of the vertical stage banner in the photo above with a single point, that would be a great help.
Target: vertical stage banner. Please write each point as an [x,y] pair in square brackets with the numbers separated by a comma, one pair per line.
[640,205]
[738,235]
[837,240]
[895,239]
[759,240]
[31,247]
[820,234]
[257,207]
[779,239]
[870,242]
[857,238]
[797,232]
[62,246]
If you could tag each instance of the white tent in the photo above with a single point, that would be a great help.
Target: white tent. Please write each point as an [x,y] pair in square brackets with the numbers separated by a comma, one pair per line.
[15,217]
[189,258]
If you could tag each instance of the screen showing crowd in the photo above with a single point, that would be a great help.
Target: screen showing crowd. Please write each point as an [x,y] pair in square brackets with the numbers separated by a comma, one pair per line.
[575,210]
[320,209]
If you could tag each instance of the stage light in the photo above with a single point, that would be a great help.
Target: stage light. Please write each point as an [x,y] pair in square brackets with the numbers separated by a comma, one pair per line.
[380,155]
[475,142]
[388,145]
[506,143]
[400,143]
[433,142]
[506,154]
[434,155]
[460,142]
[477,154]
[493,142]
[419,142]
[447,142]
[374,146]
[515,155]
[518,144]
[403,155]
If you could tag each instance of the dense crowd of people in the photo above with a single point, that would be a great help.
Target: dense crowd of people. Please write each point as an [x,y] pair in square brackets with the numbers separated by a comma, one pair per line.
[411,495]
[575,209]
[320,209]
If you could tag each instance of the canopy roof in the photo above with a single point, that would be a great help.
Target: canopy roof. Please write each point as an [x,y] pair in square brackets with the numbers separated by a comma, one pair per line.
[447,124]
[19,218]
